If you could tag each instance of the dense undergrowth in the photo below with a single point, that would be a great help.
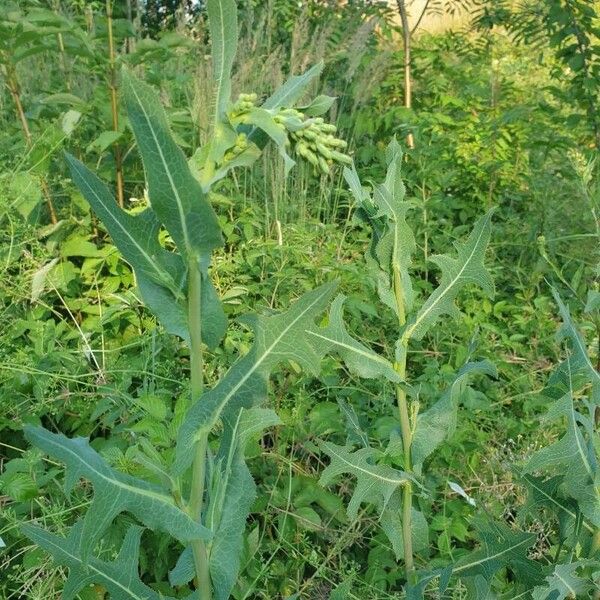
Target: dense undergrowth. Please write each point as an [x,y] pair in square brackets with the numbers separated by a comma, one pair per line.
[494,126]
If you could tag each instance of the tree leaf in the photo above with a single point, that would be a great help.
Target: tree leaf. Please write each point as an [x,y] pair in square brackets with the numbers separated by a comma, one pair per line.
[120,578]
[222,22]
[374,483]
[361,361]
[466,268]
[278,338]
[161,275]
[114,492]
[175,195]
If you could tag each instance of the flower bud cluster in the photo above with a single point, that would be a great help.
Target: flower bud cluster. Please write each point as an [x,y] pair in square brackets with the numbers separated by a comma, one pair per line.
[242,105]
[310,137]
[313,139]
[241,144]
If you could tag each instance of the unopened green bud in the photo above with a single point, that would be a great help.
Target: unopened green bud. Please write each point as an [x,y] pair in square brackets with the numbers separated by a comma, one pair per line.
[323,165]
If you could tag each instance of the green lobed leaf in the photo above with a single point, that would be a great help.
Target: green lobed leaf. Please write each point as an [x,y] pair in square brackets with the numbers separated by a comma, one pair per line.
[114,492]
[374,483]
[466,268]
[578,365]
[175,195]
[392,243]
[222,22]
[573,456]
[501,547]
[439,422]
[281,337]
[120,577]
[361,361]
[161,275]
[232,495]
[564,583]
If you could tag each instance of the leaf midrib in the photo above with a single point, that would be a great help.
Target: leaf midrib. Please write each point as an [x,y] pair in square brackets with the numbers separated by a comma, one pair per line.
[366,471]
[167,171]
[135,490]
[90,566]
[161,274]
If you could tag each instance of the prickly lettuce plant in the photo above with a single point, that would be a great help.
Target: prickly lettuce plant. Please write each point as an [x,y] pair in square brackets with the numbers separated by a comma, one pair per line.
[395,491]
[200,494]
[562,479]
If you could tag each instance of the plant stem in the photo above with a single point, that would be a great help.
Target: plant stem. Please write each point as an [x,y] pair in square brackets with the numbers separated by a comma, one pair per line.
[203,583]
[112,84]
[405,427]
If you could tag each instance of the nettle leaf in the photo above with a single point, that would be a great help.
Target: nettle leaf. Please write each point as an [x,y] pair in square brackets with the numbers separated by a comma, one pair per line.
[466,268]
[374,483]
[278,338]
[501,547]
[233,493]
[564,583]
[114,492]
[160,274]
[439,422]
[175,195]
[222,21]
[361,361]
[120,577]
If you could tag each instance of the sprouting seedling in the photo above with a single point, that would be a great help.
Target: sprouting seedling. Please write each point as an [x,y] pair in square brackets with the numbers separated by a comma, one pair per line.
[203,498]
[389,260]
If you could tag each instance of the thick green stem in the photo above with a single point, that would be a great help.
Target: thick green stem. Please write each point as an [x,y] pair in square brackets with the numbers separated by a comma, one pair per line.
[405,427]
[203,583]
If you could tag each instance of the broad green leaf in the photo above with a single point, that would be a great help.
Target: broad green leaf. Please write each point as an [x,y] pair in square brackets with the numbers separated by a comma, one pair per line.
[175,195]
[278,338]
[114,492]
[320,105]
[291,91]
[391,524]
[120,577]
[564,583]
[361,360]
[232,495]
[439,422]
[161,275]
[466,268]
[501,547]
[374,483]
[222,22]
[38,280]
